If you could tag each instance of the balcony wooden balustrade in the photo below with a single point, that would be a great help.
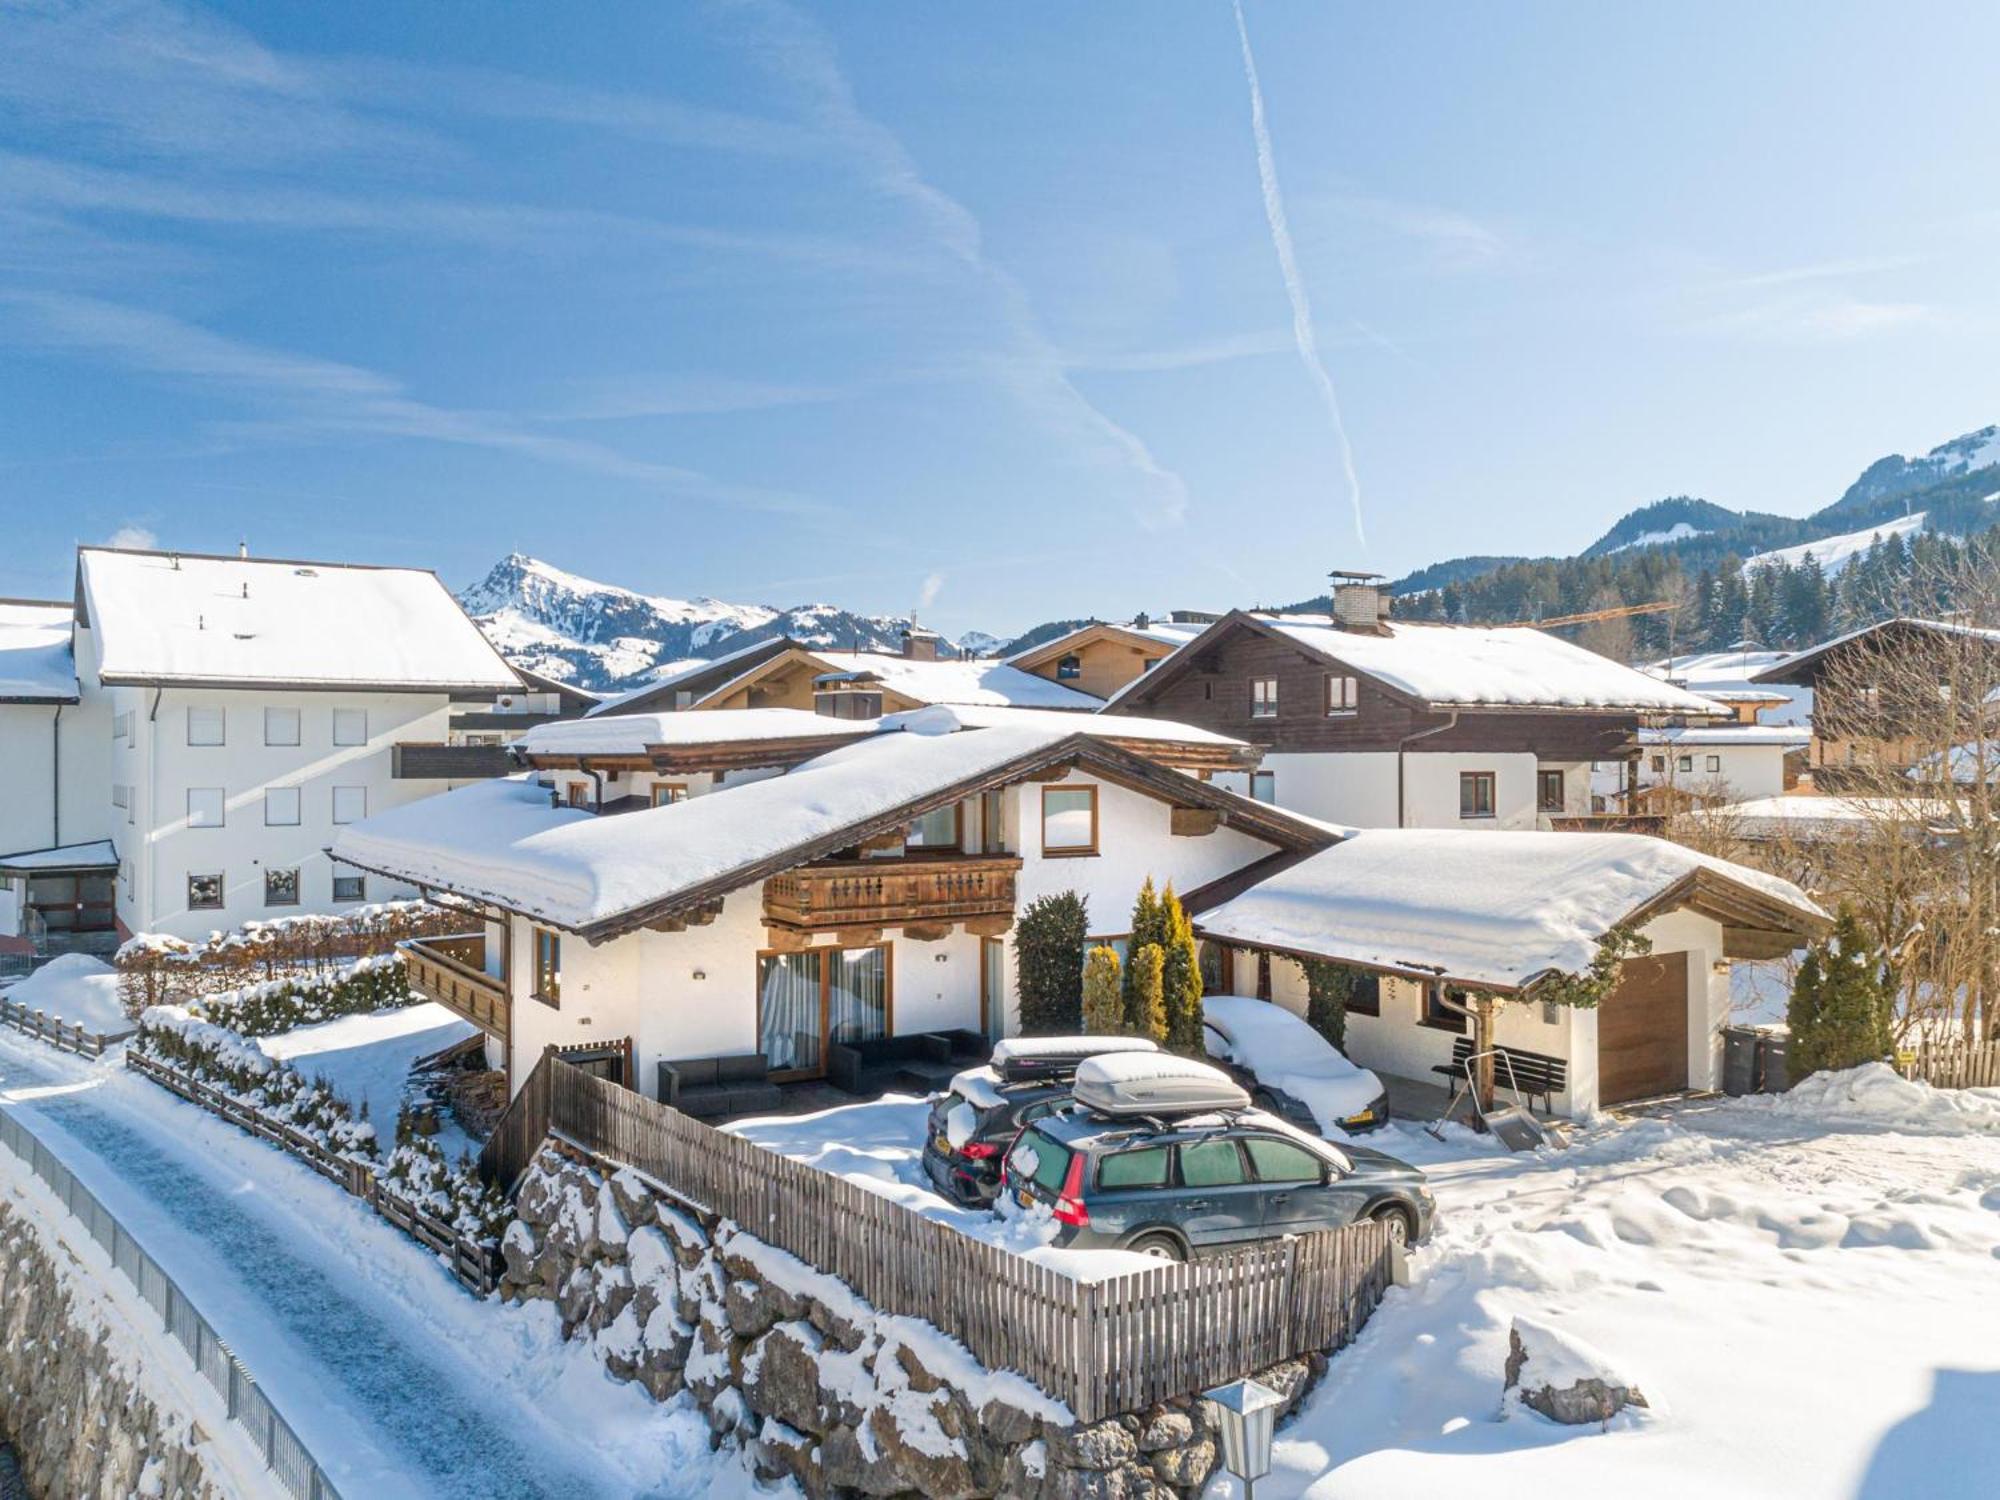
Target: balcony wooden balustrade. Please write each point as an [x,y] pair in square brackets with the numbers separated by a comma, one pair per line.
[452,971]
[892,892]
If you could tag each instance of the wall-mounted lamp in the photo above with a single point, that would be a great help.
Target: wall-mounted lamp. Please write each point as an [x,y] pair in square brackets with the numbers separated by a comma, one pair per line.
[700,974]
[942,957]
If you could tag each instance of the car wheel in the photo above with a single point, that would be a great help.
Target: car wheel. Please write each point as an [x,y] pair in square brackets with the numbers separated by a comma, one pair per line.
[1401,1230]
[1158,1247]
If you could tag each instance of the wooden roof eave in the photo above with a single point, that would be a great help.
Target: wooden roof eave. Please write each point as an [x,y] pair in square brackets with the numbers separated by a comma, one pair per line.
[1711,894]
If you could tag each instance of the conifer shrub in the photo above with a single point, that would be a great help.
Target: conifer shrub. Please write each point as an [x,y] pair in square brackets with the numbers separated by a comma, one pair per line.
[1149,964]
[1181,979]
[1048,945]
[1149,925]
[1842,1006]
[1103,1002]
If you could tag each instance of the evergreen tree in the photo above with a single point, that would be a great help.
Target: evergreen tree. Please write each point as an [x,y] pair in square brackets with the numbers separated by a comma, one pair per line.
[1149,925]
[1181,980]
[1048,943]
[1842,1003]
[1103,1006]
[1149,966]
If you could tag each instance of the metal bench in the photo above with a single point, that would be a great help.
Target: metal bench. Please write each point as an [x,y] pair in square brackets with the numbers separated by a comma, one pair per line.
[1536,1074]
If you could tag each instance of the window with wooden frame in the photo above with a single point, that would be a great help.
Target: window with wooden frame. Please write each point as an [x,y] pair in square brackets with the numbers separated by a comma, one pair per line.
[1475,794]
[577,794]
[1364,994]
[1263,697]
[1549,791]
[1659,765]
[1069,668]
[548,966]
[992,823]
[1340,695]
[1069,820]
[936,829]
[666,793]
[1440,1016]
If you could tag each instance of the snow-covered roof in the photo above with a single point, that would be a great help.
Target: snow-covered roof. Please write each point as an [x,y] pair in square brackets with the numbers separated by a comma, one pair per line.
[1781,669]
[250,621]
[630,734]
[1489,666]
[1798,815]
[99,854]
[1966,762]
[675,673]
[35,661]
[1492,909]
[1791,737]
[1106,726]
[992,684]
[1164,633]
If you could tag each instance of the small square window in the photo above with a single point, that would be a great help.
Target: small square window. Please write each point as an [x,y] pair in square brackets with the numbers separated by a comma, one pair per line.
[1069,668]
[204,892]
[1264,786]
[1340,695]
[205,726]
[1684,763]
[281,887]
[1659,764]
[281,726]
[1715,763]
[281,807]
[350,804]
[1475,794]
[350,887]
[205,804]
[1069,820]
[577,794]
[665,792]
[1264,698]
[350,726]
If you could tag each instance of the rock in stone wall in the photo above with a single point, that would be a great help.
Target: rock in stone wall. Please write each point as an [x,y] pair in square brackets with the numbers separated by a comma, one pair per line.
[83,1428]
[810,1381]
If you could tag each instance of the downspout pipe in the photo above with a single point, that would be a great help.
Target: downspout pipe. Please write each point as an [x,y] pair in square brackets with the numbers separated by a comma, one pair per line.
[1402,749]
[55,779]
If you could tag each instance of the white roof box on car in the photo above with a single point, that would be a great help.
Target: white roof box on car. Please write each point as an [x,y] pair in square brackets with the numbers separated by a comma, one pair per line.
[1138,1084]
[1018,1057]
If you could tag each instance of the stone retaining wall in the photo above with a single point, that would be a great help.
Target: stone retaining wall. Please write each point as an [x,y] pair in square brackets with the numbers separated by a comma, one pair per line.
[82,1425]
[790,1365]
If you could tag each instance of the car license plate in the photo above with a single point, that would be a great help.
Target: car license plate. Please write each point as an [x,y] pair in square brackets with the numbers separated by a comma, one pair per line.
[943,1144]
[1025,1198]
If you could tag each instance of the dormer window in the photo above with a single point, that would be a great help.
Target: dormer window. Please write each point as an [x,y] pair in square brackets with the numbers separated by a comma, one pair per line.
[1069,668]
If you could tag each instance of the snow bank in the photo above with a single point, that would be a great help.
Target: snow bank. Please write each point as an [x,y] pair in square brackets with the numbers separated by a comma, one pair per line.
[1877,1092]
[75,988]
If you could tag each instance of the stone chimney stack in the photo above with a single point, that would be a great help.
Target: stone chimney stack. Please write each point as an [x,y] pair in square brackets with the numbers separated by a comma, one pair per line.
[1360,602]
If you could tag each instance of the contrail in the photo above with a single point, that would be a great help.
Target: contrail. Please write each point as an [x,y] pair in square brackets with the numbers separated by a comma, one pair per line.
[1288,267]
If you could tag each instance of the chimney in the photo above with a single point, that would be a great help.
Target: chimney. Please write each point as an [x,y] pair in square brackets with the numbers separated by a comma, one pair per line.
[1141,621]
[243,548]
[1359,600]
[919,644]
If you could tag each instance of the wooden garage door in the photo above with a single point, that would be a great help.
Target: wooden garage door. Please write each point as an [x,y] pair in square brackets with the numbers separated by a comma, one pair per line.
[1642,1029]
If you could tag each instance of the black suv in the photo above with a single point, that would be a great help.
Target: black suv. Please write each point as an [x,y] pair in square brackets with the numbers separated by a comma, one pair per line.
[1177,1188]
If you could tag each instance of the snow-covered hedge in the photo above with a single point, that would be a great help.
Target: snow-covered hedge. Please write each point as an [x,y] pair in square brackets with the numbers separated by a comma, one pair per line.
[279,1005]
[234,1065]
[417,1170]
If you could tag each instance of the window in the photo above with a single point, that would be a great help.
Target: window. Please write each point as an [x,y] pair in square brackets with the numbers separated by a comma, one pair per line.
[1120,945]
[1274,1160]
[848,705]
[281,807]
[937,829]
[992,823]
[1684,763]
[1475,794]
[548,966]
[577,794]
[1069,820]
[205,807]
[1440,1015]
[1263,697]
[1659,765]
[281,726]
[120,797]
[665,792]
[204,892]
[350,804]
[205,726]
[281,887]
[349,887]
[121,725]
[1144,1168]
[350,726]
[1714,763]
[683,697]
[1339,695]
[1549,791]
[1364,995]
[1069,668]
[1264,786]
[1211,1164]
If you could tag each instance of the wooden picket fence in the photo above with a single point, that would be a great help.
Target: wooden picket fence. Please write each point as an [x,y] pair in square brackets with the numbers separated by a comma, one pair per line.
[472,1264]
[58,1033]
[1954,1064]
[1101,1347]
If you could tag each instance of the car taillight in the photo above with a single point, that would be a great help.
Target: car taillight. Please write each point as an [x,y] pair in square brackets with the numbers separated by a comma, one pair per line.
[1069,1207]
[978,1150]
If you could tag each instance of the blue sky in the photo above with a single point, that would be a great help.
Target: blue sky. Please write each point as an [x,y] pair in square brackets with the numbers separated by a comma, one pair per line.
[974,307]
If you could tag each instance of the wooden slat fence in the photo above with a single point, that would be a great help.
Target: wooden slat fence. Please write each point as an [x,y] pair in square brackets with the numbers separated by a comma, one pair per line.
[58,1033]
[1955,1064]
[470,1262]
[1101,1347]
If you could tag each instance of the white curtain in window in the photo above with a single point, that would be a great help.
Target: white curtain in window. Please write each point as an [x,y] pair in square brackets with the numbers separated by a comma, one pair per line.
[860,1001]
[790,1010]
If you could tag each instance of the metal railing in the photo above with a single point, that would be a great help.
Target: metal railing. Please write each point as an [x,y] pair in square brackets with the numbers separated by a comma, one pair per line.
[248,1406]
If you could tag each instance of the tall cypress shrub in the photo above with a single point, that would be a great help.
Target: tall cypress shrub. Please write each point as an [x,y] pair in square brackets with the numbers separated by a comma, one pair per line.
[1148,927]
[1146,968]
[1048,946]
[1103,1005]
[1841,1009]
[1181,980]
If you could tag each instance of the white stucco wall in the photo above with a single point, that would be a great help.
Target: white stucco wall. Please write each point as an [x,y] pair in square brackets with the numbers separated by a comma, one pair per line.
[27,751]
[1741,773]
[1358,788]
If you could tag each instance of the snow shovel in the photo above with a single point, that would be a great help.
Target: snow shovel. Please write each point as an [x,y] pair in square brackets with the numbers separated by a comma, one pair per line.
[1513,1125]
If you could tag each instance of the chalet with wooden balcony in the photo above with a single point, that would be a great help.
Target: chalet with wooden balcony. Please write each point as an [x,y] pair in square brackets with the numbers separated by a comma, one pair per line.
[803,894]
[1373,722]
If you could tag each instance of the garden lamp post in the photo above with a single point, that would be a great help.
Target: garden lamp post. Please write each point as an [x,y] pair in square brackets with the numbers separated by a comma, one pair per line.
[1249,1416]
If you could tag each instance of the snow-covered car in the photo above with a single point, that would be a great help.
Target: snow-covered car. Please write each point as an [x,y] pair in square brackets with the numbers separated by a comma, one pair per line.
[1300,1076]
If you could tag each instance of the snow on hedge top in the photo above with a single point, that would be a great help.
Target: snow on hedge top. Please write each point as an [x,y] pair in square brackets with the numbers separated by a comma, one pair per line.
[1500,666]
[35,661]
[1495,909]
[990,683]
[75,988]
[500,841]
[630,734]
[253,621]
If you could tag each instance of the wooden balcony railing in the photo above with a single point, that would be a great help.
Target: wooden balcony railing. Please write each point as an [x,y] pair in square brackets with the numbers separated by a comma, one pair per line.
[886,892]
[451,971]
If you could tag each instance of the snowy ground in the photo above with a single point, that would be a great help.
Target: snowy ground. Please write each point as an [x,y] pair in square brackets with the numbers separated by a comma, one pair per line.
[396,1379]
[1807,1288]
[75,988]
[367,1060]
